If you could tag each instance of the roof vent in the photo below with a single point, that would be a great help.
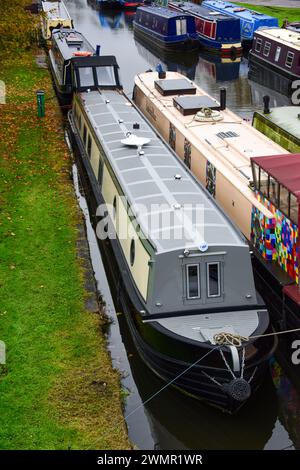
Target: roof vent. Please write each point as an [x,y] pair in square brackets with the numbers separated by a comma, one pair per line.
[227,135]
[177,206]
[177,177]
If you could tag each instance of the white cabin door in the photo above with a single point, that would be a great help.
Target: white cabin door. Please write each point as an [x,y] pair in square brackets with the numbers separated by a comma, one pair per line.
[180,27]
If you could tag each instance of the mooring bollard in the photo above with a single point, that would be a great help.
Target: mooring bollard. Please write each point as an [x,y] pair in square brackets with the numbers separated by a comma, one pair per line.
[40,96]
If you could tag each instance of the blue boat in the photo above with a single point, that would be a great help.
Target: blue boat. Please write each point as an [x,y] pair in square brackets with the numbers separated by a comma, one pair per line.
[250,20]
[166,29]
[216,31]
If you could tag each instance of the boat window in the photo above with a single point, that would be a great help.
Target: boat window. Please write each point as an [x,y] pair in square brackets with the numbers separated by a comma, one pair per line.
[289,59]
[293,208]
[255,171]
[277,53]
[273,191]
[84,134]
[264,182]
[193,281]
[132,252]
[106,76]
[267,49]
[284,200]
[89,146]
[86,76]
[100,171]
[115,207]
[258,45]
[213,280]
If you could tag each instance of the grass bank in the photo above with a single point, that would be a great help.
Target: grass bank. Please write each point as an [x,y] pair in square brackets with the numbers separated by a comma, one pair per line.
[57,389]
[282,13]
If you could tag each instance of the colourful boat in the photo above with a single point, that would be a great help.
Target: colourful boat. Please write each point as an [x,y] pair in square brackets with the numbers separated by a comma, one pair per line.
[216,32]
[282,125]
[274,60]
[166,29]
[250,20]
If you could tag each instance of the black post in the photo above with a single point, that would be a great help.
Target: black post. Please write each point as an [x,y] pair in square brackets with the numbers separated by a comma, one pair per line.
[222,99]
[266,99]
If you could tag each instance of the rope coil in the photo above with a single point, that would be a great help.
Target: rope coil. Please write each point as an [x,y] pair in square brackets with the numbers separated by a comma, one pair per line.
[223,338]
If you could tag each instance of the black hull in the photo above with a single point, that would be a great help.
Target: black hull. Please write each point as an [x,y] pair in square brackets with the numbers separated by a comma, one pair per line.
[167,355]
[270,76]
[187,45]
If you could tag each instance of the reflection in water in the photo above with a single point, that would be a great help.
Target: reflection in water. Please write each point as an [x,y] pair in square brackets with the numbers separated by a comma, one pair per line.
[175,421]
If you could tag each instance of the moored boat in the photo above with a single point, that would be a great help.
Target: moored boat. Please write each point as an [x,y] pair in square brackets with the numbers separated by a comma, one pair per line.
[293,26]
[216,32]
[54,15]
[217,145]
[274,60]
[250,20]
[282,125]
[180,281]
[165,29]
[66,46]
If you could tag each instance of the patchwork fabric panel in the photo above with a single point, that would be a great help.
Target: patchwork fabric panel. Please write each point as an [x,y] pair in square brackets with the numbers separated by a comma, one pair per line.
[276,238]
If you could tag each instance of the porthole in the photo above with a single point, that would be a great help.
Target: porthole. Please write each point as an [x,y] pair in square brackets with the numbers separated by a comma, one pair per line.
[132,252]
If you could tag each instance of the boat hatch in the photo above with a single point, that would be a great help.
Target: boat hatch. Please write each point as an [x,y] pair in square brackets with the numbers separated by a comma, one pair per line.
[278,179]
[175,87]
[95,72]
[187,105]
[74,38]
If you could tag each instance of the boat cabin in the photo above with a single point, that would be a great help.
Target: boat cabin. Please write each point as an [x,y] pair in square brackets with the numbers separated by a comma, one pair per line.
[276,181]
[164,21]
[210,24]
[91,73]
[250,20]
[54,15]
[278,48]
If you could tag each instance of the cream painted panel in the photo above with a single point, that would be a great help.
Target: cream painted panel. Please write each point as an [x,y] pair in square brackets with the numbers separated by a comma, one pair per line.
[140,268]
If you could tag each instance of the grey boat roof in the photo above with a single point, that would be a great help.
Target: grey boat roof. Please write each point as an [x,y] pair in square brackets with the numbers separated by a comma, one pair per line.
[149,179]
[55,10]
[70,41]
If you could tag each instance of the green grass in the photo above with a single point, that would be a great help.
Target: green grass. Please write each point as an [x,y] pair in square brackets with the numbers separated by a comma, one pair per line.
[282,13]
[50,396]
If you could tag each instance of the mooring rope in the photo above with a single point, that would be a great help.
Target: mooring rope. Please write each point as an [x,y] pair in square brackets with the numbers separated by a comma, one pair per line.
[230,339]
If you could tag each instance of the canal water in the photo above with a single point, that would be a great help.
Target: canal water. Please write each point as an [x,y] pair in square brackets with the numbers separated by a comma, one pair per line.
[169,420]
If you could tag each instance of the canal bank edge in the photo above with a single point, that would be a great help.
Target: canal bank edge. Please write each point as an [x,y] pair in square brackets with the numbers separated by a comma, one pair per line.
[58,389]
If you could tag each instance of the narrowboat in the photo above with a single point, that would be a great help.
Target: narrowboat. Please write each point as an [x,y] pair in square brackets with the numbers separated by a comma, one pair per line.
[216,32]
[274,60]
[165,29]
[294,26]
[218,146]
[281,124]
[54,15]
[67,45]
[250,20]
[116,4]
[180,269]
